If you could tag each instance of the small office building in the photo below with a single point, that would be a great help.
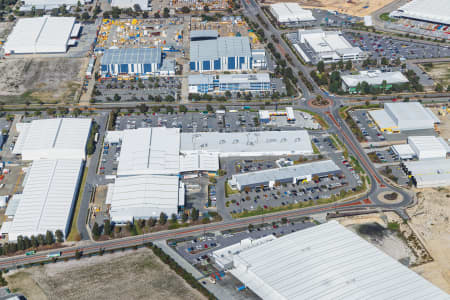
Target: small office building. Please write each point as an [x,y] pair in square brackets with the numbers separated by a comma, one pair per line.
[202,83]
[376,78]
[289,13]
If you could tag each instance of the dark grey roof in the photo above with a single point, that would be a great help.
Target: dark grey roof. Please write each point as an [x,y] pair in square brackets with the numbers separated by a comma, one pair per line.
[132,56]
[222,47]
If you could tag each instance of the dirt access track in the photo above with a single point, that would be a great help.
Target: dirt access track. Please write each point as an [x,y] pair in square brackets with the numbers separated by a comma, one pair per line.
[49,80]
[133,274]
[353,7]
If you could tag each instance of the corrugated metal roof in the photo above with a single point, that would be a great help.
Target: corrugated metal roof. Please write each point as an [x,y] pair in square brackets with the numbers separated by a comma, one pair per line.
[40,35]
[244,78]
[144,196]
[374,78]
[204,34]
[132,56]
[328,262]
[307,169]
[199,162]
[47,198]
[436,11]
[428,146]
[291,12]
[143,4]
[53,138]
[430,172]
[221,47]
[150,151]
[13,204]
[248,143]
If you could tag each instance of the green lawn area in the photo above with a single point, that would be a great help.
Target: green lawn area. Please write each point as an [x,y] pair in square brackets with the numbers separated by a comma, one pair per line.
[73,234]
[385,17]
[229,190]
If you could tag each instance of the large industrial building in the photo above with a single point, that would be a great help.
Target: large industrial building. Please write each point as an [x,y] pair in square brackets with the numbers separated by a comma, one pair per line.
[48,198]
[135,61]
[433,11]
[144,197]
[221,54]
[288,13]
[428,172]
[328,46]
[423,147]
[61,138]
[404,116]
[327,261]
[374,78]
[203,83]
[47,5]
[241,144]
[40,35]
[291,174]
[143,4]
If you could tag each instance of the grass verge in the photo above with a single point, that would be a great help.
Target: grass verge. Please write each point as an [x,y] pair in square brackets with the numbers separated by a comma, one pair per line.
[74,235]
[228,190]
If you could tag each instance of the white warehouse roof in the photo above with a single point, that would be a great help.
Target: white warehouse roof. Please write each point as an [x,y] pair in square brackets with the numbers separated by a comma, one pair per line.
[149,151]
[48,198]
[328,262]
[301,171]
[144,196]
[202,161]
[436,11]
[287,12]
[248,143]
[143,4]
[427,147]
[404,116]
[430,172]
[374,78]
[63,138]
[40,35]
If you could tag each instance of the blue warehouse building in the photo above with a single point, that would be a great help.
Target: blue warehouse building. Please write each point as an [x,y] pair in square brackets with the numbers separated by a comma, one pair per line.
[221,54]
[131,61]
[201,83]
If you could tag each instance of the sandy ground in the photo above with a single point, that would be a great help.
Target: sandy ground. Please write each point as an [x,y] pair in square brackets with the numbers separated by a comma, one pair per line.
[430,219]
[444,126]
[46,79]
[122,275]
[440,72]
[353,7]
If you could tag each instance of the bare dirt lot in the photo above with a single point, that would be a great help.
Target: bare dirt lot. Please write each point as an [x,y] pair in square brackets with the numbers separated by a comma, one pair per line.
[440,72]
[122,275]
[430,219]
[45,79]
[358,8]
[444,126]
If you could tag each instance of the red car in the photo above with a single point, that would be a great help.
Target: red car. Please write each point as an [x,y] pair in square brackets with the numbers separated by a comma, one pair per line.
[265,206]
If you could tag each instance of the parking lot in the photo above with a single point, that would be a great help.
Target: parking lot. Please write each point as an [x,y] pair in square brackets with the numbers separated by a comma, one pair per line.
[155,89]
[386,46]
[199,249]
[285,194]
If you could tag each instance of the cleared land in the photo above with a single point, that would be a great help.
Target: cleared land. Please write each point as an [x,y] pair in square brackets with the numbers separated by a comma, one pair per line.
[45,79]
[122,275]
[358,8]
[430,218]
[440,72]
[444,126]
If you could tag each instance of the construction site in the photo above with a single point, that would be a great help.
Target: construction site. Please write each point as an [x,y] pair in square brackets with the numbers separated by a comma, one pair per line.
[358,8]
[213,5]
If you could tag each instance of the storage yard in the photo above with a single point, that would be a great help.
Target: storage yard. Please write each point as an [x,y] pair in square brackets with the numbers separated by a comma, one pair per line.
[440,72]
[48,80]
[355,7]
[141,274]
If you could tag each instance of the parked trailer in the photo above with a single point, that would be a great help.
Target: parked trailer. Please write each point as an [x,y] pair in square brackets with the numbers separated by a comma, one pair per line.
[32,252]
[240,288]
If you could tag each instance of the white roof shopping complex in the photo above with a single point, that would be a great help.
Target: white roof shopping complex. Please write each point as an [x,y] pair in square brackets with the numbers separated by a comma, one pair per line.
[435,11]
[328,262]
[248,143]
[63,138]
[287,12]
[144,196]
[404,116]
[48,198]
[40,35]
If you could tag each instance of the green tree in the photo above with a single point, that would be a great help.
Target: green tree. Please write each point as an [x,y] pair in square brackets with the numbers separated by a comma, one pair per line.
[166,12]
[182,109]
[341,64]
[49,238]
[59,236]
[194,214]
[206,8]
[41,239]
[250,227]
[20,243]
[439,88]
[185,10]
[78,254]
[3,281]
[85,16]
[96,231]
[34,241]
[162,218]
[321,66]
[117,97]
[151,222]
[209,108]
[173,219]
[107,227]
[384,61]
[284,220]
[184,217]
[228,95]
[348,65]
